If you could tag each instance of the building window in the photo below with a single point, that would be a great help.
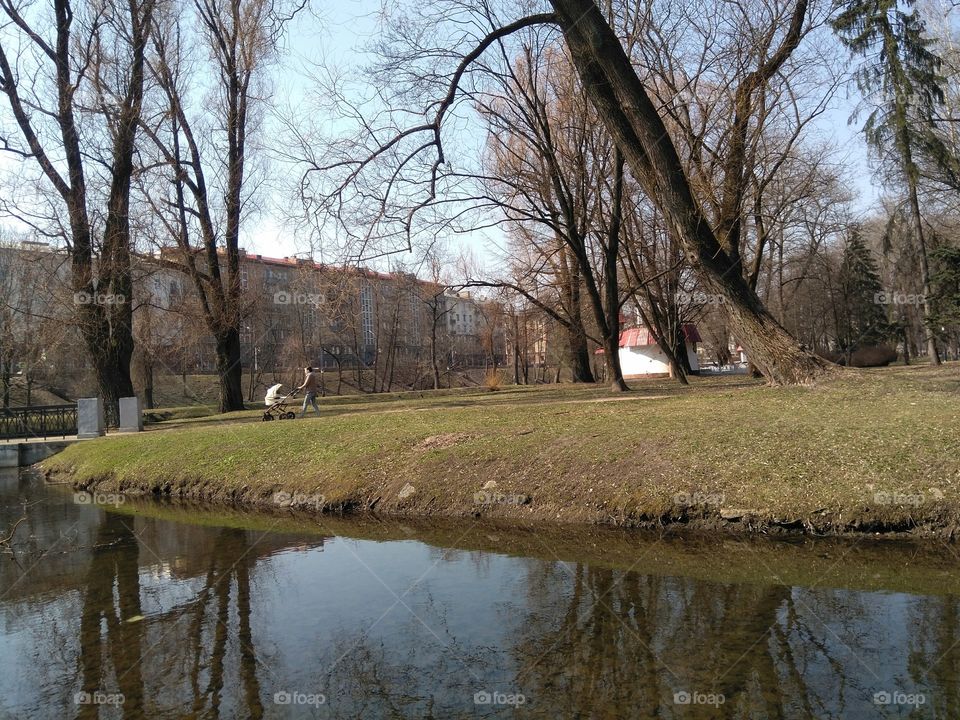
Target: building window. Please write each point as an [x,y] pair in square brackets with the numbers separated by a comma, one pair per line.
[366,314]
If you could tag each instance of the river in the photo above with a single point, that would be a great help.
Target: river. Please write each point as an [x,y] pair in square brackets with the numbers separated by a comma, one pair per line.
[113,607]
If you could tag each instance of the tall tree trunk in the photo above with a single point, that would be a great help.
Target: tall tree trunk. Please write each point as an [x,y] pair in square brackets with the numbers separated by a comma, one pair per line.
[924,270]
[148,401]
[906,344]
[516,350]
[111,366]
[6,375]
[229,370]
[632,119]
[435,316]
[106,327]
[579,354]
[606,303]
[611,285]
[578,349]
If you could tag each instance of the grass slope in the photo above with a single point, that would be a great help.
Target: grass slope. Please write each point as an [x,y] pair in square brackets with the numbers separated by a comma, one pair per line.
[871,450]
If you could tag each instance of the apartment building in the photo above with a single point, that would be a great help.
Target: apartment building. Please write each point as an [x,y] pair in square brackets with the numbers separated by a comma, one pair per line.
[294,312]
[297,311]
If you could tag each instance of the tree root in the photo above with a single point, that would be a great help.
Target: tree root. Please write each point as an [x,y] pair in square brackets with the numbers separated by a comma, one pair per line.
[13,531]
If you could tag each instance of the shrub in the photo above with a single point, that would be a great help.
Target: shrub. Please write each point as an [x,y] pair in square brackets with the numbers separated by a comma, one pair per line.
[873,356]
[867,356]
[492,381]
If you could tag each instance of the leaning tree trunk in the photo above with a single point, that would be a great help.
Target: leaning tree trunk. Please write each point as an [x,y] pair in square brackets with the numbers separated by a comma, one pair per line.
[633,121]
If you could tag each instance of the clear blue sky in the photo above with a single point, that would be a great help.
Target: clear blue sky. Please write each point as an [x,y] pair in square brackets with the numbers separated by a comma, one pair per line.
[341,34]
[338,33]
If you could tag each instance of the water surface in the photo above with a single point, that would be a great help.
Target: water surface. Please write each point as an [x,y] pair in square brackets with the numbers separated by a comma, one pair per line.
[169,611]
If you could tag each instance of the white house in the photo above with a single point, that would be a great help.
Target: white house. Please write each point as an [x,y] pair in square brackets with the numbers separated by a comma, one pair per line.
[641,356]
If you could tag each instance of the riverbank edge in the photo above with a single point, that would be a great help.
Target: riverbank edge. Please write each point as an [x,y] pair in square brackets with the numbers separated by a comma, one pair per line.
[929,520]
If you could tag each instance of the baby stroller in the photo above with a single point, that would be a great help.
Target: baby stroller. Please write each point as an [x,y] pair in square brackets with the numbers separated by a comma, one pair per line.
[277,404]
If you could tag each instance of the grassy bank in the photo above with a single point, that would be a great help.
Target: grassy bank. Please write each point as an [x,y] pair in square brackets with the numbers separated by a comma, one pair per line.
[870,451]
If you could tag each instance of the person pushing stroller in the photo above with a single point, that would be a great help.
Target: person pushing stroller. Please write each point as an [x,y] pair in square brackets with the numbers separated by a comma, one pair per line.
[311,383]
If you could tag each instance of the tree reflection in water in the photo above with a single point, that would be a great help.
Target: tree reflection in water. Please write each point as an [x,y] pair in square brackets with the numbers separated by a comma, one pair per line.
[111,634]
[199,638]
[199,621]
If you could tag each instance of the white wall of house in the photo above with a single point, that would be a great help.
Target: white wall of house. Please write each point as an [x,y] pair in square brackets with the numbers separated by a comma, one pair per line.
[650,360]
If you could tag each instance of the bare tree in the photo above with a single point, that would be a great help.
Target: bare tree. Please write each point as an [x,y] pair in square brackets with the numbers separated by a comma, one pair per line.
[75,93]
[417,154]
[553,167]
[240,38]
[639,130]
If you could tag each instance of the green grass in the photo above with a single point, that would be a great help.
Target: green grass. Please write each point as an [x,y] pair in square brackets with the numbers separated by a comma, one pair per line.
[820,456]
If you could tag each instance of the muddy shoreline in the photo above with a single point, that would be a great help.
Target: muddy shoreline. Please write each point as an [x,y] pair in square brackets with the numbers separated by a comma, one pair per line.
[939,521]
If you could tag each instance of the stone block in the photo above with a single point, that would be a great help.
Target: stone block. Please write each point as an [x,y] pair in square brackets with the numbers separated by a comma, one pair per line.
[131,416]
[90,418]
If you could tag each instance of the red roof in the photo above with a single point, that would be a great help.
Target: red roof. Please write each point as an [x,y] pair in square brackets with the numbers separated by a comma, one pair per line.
[642,337]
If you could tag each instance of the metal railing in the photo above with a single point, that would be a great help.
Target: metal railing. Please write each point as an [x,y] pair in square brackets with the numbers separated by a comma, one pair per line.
[38,422]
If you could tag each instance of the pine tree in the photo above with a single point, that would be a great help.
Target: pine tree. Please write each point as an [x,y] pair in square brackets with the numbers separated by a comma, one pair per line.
[863,311]
[900,77]
[945,286]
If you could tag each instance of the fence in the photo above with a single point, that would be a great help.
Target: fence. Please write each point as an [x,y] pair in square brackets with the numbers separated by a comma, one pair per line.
[39,421]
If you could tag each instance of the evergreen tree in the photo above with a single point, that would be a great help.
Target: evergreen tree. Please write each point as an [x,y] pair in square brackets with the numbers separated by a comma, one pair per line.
[863,304]
[900,77]
[945,287]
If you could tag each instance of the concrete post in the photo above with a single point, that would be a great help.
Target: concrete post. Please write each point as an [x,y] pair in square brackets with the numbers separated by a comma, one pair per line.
[90,419]
[131,417]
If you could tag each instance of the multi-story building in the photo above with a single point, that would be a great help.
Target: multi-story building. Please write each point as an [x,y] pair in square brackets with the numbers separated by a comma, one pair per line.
[474,330]
[294,312]
[297,311]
